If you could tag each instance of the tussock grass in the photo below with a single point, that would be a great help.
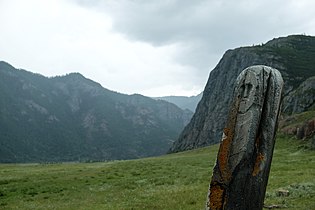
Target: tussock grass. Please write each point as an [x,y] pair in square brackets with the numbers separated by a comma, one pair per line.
[175,181]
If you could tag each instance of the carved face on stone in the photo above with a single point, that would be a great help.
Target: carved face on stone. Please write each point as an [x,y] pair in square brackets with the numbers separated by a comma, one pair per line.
[247,91]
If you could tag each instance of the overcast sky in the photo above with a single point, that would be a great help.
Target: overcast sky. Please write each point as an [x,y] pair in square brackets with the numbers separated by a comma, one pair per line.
[151,47]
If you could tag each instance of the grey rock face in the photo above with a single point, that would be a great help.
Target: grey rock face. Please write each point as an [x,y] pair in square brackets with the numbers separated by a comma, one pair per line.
[208,121]
[243,163]
[301,99]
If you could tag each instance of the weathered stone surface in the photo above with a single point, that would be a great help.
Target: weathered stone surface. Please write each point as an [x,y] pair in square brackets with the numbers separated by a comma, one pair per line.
[242,167]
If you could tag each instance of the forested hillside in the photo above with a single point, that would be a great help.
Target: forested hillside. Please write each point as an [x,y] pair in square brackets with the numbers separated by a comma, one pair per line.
[72,118]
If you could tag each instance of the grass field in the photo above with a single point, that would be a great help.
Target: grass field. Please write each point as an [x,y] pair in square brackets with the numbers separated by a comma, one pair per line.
[176,181]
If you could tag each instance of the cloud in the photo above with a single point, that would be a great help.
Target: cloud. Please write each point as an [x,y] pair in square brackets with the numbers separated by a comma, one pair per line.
[139,46]
[58,37]
[207,28]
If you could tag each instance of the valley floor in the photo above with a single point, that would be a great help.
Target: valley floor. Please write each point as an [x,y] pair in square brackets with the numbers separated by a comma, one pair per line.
[175,181]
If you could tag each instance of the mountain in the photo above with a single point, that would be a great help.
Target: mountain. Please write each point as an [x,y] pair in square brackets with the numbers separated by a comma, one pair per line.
[183,102]
[71,118]
[293,56]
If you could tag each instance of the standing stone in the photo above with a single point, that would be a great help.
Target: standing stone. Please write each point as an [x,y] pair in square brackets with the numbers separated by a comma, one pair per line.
[242,167]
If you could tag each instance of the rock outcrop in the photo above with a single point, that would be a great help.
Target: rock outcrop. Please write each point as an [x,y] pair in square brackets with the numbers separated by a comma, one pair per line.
[301,99]
[302,127]
[293,56]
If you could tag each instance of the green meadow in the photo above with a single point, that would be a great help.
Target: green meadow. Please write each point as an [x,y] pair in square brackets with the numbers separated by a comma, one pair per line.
[175,181]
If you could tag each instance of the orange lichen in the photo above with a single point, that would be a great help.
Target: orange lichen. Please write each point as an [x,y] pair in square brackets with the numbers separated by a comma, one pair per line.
[259,159]
[216,198]
[222,174]
[223,155]
[225,146]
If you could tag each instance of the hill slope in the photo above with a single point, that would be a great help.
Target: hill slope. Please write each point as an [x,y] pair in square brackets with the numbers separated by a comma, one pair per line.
[293,56]
[183,102]
[176,181]
[71,118]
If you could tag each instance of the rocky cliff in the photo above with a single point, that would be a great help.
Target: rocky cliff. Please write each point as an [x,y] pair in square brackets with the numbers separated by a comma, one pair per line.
[300,99]
[293,56]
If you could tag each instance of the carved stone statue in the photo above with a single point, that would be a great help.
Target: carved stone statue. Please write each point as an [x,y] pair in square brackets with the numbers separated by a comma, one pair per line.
[242,167]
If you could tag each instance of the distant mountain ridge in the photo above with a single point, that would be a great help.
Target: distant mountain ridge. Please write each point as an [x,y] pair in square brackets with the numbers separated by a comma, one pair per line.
[71,118]
[183,102]
[293,56]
